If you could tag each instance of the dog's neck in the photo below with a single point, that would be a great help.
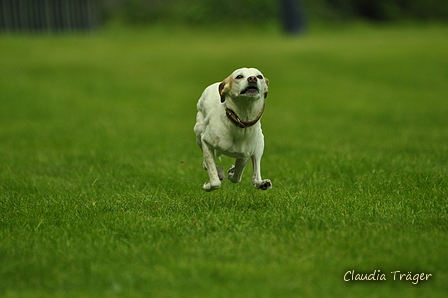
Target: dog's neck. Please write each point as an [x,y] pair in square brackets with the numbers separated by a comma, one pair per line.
[246,109]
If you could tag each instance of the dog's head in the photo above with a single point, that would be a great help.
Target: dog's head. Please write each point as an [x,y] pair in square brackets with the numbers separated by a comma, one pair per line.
[244,82]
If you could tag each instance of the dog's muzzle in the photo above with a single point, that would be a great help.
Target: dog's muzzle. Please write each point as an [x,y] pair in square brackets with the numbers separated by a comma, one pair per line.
[250,89]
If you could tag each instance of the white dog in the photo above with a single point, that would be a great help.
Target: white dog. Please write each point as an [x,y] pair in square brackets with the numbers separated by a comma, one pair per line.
[228,123]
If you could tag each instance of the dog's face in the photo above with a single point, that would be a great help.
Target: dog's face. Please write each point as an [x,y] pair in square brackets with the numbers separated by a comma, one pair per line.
[244,82]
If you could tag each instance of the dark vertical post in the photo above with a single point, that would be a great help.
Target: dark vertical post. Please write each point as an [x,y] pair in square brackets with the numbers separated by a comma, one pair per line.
[293,16]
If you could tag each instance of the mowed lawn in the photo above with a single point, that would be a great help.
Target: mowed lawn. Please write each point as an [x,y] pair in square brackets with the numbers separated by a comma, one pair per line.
[101,179]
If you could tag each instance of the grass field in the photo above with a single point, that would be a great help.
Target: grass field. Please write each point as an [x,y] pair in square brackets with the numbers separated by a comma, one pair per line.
[101,180]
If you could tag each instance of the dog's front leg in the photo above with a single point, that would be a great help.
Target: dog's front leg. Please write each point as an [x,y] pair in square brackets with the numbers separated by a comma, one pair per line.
[209,160]
[256,178]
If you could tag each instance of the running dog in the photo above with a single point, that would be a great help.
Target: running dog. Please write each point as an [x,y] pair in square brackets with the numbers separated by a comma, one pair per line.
[228,123]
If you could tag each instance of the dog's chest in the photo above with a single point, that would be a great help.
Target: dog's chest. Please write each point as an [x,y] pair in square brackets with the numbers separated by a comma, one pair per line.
[238,144]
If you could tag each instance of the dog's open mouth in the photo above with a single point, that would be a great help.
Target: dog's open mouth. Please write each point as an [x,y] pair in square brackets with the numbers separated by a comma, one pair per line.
[250,89]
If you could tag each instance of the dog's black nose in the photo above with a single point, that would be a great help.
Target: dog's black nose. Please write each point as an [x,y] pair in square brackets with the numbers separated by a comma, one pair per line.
[252,79]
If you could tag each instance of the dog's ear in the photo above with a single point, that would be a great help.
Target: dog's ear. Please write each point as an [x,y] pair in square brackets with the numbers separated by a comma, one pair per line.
[224,87]
[266,80]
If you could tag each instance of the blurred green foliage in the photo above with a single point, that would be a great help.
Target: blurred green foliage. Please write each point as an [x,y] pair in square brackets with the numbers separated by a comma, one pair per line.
[265,11]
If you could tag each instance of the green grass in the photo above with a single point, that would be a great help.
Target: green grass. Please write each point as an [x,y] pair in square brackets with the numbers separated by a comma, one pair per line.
[100,176]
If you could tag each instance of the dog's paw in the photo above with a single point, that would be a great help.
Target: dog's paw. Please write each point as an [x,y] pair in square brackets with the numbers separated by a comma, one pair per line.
[230,172]
[209,187]
[264,184]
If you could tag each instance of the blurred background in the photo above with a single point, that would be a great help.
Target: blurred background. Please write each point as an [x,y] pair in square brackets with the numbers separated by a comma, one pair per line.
[292,15]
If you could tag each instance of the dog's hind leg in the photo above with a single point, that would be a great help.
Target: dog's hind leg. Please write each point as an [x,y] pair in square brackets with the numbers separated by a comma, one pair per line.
[236,171]
[221,174]
[219,169]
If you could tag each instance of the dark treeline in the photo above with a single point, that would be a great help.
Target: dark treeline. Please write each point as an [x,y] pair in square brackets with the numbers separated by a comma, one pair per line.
[256,11]
[76,15]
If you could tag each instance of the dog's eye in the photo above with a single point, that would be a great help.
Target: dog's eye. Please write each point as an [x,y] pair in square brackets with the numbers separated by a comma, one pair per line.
[239,77]
[260,77]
